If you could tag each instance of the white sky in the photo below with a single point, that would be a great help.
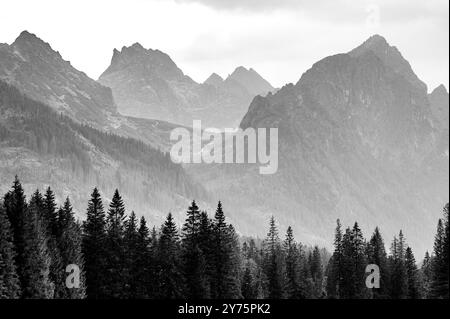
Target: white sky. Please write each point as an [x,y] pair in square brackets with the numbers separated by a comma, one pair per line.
[280,39]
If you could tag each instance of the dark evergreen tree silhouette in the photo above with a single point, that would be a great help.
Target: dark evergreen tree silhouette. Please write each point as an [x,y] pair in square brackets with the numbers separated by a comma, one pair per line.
[94,240]
[70,247]
[9,280]
[115,248]
[170,276]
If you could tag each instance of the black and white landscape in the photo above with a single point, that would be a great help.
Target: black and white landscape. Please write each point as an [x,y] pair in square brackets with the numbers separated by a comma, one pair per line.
[86,176]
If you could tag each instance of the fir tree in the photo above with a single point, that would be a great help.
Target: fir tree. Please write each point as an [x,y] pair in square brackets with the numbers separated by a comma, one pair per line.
[70,248]
[377,255]
[272,263]
[411,275]
[115,253]
[50,222]
[37,261]
[194,261]
[170,277]
[292,287]
[131,271]
[399,280]
[94,238]
[16,207]
[441,259]
[9,280]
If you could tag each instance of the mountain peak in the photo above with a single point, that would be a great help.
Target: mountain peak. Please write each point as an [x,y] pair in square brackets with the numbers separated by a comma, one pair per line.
[440,90]
[27,38]
[251,80]
[390,56]
[214,80]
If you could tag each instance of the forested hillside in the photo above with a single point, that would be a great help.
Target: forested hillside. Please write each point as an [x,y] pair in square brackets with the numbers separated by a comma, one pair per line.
[45,147]
[123,257]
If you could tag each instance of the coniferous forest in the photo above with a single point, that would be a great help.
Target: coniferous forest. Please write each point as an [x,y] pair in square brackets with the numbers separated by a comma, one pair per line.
[122,257]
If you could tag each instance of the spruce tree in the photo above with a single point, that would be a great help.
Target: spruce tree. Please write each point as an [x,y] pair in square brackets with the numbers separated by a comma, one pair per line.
[411,275]
[399,279]
[70,248]
[16,207]
[194,261]
[131,271]
[334,270]
[9,280]
[50,222]
[170,277]
[115,252]
[292,286]
[144,267]
[94,239]
[440,283]
[426,276]
[316,269]
[377,255]
[37,260]
[272,263]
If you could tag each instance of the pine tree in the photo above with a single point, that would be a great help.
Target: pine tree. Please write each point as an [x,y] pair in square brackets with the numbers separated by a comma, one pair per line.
[316,269]
[70,248]
[272,264]
[354,264]
[222,254]
[170,278]
[144,267]
[94,239]
[411,275]
[377,255]
[441,259]
[292,286]
[9,280]
[334,271]
[115,253]
[37,261]
[399,280]
[50,221]
[194,261]
[131,280]
[16,207]
[426,276]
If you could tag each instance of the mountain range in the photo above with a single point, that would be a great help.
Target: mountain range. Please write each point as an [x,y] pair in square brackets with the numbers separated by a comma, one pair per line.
[147,83]
[360,138]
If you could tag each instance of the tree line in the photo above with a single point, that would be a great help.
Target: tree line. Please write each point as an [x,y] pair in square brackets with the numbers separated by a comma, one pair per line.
[121,257]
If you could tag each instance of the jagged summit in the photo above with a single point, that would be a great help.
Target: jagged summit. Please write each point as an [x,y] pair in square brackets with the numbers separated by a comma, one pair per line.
[138,59]
[251,80]
[390,56]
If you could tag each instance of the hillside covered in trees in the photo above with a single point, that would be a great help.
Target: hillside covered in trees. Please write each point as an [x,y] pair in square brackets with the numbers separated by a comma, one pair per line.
[45,147]
[123,257]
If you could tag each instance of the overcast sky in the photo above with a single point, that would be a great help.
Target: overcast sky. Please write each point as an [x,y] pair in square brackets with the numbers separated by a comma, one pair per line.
[280,39]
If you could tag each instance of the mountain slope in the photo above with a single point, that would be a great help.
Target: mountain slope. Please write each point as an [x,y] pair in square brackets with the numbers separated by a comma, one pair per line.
[45,148]
[31,65]
[357,141]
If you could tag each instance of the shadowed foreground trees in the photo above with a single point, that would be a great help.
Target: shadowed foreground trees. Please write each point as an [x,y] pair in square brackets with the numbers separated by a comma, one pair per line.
[119,257]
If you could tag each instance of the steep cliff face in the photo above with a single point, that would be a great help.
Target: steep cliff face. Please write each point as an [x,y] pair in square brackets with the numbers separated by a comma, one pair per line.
[148,84]
[33,66]
[358,140]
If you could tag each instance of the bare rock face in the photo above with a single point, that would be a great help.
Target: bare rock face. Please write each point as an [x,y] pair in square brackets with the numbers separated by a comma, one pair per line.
[357,141]
[33,66]
[440,106]
[148,84]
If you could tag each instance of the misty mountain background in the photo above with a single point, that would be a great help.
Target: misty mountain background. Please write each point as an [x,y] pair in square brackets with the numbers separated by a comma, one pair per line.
[360,138]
